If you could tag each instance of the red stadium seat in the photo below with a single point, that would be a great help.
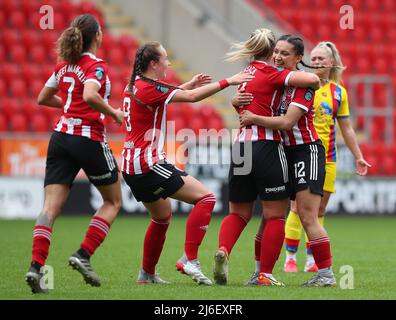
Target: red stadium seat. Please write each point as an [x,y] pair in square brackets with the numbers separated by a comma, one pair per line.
[180,123]
[116,56]
[128,43]
[215,123]
[377,129]
[49,39]
[35,87]
[18,123]
[30,38]
[381,66]
[388,5]
[3,20]
[3,123]
[3,88]
[29,6]
[18,88]
[372,6]
[187,111]
[60,22]
[324,32]
[39,54]
[388,165]
[9,6]
[10,37]
[197,124]
[2,53]
[207,111]
[8,106]
[17,54]
[17,20]
[30,107]
[362,65]
[39,123]
[376,34]
[31,71]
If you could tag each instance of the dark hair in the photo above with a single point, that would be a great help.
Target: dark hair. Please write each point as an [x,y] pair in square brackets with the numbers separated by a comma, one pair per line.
[298,47]
[77,38]
[144,55]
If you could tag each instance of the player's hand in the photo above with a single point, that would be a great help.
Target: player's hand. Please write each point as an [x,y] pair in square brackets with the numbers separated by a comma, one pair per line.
[362,167]
[241,99]
[246,118]
[200,80]
[118,116]
[239,78]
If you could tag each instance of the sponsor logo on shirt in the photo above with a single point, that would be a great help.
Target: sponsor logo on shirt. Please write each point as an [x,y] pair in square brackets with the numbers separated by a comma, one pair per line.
[129,144]
[71,121]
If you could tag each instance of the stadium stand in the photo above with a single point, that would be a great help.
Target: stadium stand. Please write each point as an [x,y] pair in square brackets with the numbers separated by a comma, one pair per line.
[365,50]
[28,57]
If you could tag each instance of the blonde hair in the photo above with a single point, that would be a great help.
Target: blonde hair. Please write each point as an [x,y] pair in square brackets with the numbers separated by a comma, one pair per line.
[260,44]
[338,67]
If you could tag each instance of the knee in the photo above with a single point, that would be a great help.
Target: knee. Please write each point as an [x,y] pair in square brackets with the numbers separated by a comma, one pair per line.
[307,220]
[117,203]
[208,199]
[46,218]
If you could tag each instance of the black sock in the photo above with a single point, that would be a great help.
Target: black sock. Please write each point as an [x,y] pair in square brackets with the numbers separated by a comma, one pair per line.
[37,266]
[84,254]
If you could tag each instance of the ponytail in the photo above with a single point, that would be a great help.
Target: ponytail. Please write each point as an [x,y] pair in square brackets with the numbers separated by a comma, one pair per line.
[260,45]
[70,45]
[77,38]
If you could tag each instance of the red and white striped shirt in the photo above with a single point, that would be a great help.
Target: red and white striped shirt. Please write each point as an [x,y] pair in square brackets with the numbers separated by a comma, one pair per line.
[78,117]
[266,87]
[303,131]
[145,126]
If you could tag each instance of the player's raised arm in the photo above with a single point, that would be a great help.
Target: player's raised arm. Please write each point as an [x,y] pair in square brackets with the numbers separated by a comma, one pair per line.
[210,89]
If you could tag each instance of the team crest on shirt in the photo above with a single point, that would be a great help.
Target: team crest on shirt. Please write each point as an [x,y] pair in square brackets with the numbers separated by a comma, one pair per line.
[309,94]
[162,89]
[99,73]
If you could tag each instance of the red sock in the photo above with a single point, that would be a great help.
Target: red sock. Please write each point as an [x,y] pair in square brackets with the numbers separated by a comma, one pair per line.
[154,242]
[41,242]
[321,252]
[271,244]
[257,247]
[230,230]
[197,224]
[97,232]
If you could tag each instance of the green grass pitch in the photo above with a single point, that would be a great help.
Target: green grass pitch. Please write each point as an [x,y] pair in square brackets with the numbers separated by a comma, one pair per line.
[367,244]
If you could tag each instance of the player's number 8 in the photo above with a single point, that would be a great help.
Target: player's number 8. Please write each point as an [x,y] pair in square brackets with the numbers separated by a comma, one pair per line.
[127,113]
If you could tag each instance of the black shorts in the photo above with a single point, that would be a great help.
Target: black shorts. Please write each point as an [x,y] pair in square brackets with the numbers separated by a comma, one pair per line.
[307,167]
[67,154]
[263,172]
[161,182]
